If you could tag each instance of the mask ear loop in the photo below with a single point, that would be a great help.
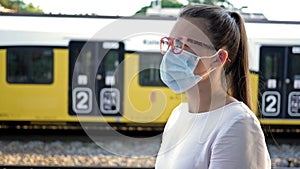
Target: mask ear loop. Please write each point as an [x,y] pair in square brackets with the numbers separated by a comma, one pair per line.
[208,72]
[210,69]
[228,60]
[208,57]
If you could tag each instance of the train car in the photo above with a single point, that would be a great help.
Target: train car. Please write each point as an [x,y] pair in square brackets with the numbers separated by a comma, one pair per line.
[62,70]
[274,63]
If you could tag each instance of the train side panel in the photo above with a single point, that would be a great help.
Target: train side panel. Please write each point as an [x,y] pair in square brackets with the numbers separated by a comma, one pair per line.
[35,102]
[254,78]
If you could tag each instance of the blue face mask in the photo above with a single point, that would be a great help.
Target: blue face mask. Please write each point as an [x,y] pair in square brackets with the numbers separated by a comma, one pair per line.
[177,70]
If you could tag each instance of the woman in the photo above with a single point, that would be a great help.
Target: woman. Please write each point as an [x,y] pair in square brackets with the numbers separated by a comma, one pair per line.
[206,57]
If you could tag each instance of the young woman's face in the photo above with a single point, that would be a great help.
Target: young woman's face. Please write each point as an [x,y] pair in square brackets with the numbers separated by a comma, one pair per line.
[193,29]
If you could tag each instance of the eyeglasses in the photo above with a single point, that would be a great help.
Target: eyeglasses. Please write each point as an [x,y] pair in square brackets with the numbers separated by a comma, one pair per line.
[177,44]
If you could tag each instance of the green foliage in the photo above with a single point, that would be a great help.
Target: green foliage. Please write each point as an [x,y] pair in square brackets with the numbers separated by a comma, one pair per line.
[164,4]
[143,10]
[171,4]
[20,6]
[175,4]
[32,9]
[222,3]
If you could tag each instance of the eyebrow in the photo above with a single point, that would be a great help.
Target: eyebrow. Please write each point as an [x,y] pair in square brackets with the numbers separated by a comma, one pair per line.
[201,44]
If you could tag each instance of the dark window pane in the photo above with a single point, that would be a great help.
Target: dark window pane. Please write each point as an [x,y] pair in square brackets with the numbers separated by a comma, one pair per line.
[149,69]
[30,65]
[111,65]
[294,66]
[271,66]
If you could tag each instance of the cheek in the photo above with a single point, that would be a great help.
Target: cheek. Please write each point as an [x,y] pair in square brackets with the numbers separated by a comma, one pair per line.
[201,67]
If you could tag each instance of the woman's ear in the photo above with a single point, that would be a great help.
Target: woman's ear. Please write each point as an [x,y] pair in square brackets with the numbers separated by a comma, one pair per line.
[223,55]
[220,58]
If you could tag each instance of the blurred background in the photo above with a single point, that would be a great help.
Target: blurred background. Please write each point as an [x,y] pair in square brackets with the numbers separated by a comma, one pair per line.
[55,83]
[273,10]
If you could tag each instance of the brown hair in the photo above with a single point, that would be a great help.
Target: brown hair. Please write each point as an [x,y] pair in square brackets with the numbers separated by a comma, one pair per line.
[226,29]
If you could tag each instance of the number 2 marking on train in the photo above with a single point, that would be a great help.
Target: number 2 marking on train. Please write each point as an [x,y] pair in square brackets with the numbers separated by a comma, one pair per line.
[271,103]
[82,100]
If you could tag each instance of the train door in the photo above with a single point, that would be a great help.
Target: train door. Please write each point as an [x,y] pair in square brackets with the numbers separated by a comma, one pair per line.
[293,82]
[280,82]
[96,78]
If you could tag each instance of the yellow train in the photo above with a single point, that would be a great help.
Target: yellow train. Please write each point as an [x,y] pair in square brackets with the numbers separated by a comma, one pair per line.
[59,69]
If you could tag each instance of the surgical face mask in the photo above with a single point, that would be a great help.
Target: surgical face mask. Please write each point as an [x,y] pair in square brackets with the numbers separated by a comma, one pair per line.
[177,70]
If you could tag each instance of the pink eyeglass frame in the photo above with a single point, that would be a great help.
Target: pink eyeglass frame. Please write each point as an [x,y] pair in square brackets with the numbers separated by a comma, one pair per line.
[185,40]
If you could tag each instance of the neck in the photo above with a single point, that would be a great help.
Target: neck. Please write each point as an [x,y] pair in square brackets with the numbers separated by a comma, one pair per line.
[203,97]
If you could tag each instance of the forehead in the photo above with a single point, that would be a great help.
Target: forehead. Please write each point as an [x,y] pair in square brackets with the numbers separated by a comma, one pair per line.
[191,28]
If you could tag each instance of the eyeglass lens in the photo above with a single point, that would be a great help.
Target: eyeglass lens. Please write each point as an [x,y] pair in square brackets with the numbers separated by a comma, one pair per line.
[176,45]
[164,45]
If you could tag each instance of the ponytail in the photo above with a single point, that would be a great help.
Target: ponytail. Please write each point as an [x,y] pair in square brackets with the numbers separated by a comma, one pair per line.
[226,29]
[239,73]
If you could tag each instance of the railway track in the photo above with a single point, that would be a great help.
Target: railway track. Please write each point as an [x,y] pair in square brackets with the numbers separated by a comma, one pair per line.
[66,167]
[284,151]
[86,167]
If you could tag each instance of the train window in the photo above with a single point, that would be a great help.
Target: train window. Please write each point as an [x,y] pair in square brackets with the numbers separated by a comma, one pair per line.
[149,69]
[293,69]
[111,65]
[272,65]
[30,65]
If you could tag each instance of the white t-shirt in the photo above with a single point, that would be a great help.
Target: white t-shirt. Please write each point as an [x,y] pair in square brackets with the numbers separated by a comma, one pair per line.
[226,138]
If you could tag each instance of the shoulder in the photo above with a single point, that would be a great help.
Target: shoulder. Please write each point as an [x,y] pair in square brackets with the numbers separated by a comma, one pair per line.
[238,117]
[240,142]
[239,111]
